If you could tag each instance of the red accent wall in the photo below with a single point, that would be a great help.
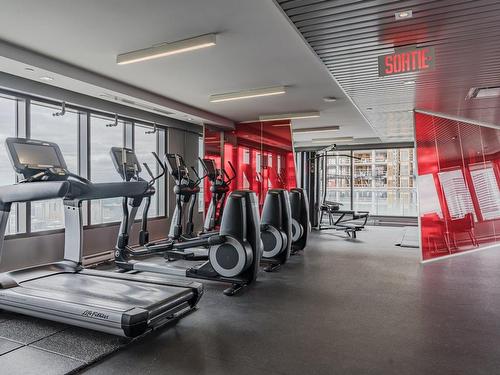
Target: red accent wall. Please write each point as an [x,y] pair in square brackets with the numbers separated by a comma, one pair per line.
[458,185]
[262,154]
[212,147]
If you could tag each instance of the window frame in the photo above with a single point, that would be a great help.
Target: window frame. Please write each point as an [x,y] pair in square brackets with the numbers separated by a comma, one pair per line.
[23,129]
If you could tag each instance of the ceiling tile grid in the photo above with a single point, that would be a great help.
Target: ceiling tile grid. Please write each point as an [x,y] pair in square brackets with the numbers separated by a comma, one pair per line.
[349,36]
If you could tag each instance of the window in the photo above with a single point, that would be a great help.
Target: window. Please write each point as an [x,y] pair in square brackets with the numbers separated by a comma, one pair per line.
[383,182]
[36,119]
[246,156]
[487,191]
[7,174]
[456,193]
[104,134]
[145,142]
[63,130]
[338,178]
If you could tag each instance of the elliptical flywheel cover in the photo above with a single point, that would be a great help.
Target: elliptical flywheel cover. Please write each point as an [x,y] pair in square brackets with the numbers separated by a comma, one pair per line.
[273,242]
[230,258]
[297,230]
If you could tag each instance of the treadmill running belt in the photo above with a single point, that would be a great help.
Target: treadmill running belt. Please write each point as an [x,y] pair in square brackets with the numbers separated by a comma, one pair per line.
[101,291]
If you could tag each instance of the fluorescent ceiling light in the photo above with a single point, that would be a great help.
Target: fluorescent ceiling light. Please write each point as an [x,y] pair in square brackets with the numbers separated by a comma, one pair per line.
[409,82]
[248,94]
[484,92]
[48,79]
[289,116]
[317,130]
[404,14]
[333,140]
[329,99]
[167,49]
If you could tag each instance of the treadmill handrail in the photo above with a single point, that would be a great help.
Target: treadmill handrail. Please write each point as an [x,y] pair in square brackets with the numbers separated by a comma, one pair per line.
[70,190]
[130,189]
[34,191]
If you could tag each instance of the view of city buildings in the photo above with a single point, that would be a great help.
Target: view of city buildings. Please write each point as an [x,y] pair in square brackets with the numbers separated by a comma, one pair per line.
[103,132]
[383,181]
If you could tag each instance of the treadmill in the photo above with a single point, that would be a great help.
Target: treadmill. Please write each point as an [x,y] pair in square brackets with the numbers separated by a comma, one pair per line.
[117,303]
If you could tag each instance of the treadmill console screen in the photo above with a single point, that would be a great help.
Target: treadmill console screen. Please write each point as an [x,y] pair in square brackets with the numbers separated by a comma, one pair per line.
[29,157]
[36,155]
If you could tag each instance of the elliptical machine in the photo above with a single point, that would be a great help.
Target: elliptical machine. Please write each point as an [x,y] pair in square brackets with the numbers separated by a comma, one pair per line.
[276,229]
[186,191]
[219,188]
[301,226]
[233,254]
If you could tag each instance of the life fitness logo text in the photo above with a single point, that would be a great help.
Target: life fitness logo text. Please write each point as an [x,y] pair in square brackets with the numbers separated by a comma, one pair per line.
[95,315]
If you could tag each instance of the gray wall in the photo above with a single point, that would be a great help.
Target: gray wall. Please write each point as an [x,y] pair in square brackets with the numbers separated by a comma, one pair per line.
[36,249]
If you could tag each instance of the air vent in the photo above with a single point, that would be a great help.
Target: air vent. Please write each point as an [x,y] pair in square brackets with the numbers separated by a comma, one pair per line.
[484,92]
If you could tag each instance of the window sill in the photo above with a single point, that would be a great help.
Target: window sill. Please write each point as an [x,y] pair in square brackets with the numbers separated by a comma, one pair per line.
[61,230]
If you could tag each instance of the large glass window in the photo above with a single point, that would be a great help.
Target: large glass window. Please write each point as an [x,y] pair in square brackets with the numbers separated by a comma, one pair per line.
[63,130]
[104,134]
[7,174]
[37,119]
[145,142]
[338,178]
[383,182]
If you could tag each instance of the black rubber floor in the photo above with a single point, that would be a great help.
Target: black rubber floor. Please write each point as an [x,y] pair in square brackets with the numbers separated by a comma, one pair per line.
[36,346]
[345,307]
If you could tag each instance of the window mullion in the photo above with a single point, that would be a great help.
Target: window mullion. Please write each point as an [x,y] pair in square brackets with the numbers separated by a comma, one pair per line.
[22,130]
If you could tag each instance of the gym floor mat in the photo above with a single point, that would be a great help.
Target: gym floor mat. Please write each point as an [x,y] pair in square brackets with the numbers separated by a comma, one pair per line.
[32,346]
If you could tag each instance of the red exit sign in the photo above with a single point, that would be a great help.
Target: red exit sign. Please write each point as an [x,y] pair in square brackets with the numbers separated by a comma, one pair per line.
[406,61]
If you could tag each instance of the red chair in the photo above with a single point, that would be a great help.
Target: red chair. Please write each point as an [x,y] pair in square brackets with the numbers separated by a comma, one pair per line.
[463,225]
[434,232]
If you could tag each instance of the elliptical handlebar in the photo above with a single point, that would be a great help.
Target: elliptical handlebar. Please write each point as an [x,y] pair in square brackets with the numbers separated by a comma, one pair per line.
[198,178]
[203,165]
[233,170]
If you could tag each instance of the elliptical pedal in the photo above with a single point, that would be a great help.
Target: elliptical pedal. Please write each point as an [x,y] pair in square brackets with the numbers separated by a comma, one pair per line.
[173,255]
[273,267]
[234,289]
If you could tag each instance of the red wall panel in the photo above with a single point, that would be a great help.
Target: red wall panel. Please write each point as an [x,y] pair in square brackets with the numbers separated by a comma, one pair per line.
[458,184]
[261,153]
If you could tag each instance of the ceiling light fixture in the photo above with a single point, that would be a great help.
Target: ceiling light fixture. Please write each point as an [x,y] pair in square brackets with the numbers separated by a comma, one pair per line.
[484,92]
[289,116]
[333,140]
[167,49]
[403,15]
[317,130]
[409,82]
[45,78]
[248,94]
[329,99]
